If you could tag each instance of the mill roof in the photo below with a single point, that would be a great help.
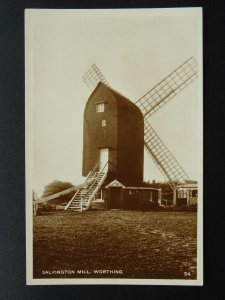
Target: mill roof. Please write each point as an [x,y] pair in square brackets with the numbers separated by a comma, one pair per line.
[121,100]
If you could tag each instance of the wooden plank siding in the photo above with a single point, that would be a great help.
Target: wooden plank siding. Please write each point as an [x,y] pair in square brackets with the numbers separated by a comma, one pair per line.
[122,134]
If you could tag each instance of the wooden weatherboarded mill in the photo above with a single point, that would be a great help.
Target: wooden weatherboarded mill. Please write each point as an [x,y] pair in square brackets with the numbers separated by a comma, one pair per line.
[113,129]
[115,133]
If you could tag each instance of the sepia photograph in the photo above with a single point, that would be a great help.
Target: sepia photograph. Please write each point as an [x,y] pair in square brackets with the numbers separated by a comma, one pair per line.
[114,146]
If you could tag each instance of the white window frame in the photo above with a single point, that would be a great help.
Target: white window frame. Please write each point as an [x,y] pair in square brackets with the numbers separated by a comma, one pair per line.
[182,193]
[100,107]
[103,123]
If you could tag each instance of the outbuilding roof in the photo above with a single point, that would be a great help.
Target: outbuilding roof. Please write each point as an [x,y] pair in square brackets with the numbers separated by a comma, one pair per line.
[188,185]
[115,183]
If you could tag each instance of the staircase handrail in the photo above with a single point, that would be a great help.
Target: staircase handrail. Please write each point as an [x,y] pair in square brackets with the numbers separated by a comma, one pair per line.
[84,185]
[90,181]
[96,166]
[97,187]
[68,204]
[64,192]
[97,177]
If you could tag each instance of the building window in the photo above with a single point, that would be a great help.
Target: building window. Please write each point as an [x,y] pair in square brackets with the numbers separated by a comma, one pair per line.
[182,193]
[103,123]
[133,192]
[194,193]
[100,107]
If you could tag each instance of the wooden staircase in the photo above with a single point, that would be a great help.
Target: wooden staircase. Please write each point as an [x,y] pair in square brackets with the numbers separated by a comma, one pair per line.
[82,199]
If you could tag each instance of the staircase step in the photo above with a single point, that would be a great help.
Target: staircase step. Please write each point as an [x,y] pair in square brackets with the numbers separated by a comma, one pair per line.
[87,194]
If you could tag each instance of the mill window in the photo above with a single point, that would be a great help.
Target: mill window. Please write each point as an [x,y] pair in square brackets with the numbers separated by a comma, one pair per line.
[103,123]
[100,107]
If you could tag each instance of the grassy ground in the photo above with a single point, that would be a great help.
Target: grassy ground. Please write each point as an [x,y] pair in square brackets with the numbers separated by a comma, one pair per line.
[141,244]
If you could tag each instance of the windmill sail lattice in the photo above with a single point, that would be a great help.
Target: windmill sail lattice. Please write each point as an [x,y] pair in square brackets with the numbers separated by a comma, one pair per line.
[93,76]
[168,87]
[158,96]
[162,157]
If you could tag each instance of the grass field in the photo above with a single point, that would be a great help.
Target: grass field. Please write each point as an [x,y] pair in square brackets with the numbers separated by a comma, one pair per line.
[160,245]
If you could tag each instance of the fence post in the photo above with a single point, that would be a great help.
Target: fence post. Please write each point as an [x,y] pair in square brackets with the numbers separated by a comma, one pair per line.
[81,205]
[160,197]
[174,196]
[35,204]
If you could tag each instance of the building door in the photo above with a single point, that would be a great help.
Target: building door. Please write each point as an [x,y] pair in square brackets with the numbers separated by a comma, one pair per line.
[115,198]
[104,157]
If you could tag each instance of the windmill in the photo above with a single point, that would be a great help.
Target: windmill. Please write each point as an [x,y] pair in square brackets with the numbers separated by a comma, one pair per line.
[151,102]
[148,104]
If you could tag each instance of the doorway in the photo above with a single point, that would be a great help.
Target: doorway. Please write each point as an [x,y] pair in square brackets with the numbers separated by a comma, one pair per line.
[103,159]
[115,198]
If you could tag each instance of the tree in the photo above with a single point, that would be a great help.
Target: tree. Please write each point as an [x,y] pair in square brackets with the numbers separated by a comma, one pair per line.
[57,186]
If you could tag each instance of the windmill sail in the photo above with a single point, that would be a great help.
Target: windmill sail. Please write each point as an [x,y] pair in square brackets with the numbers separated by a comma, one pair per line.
[150,103]
[162,157]
[93,76]
[168,87]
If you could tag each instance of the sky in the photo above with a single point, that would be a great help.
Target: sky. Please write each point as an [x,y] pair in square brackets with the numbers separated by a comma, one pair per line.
[134,49]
